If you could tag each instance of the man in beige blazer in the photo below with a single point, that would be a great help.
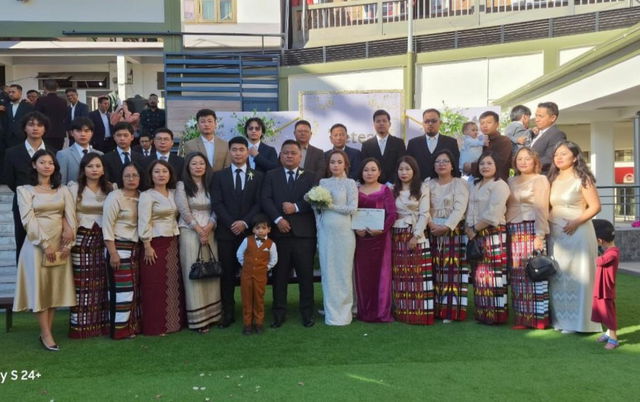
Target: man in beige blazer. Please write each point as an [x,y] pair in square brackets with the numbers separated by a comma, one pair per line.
[215,149]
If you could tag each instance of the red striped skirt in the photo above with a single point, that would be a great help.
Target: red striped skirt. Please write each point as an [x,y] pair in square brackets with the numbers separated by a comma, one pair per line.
[90,316]
[124,292]
[490,277]
[162,290]
[412,280]
[451,274]
[530,299]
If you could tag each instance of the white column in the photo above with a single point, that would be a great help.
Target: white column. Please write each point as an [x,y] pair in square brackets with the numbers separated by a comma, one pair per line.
[122,77]
[602,164]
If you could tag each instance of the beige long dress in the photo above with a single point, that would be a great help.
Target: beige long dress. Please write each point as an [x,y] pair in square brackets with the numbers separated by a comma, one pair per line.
[572,286]
[39,288]
[202,296]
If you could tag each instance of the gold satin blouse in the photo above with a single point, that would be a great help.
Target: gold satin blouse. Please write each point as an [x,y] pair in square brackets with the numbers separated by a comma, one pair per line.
[448,201]
[157,215]
[529,201]
[120,217]
[412,212]
[487,203]
[89,209]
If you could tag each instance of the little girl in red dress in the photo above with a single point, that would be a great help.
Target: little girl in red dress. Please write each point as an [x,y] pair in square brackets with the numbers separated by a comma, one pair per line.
[604,290]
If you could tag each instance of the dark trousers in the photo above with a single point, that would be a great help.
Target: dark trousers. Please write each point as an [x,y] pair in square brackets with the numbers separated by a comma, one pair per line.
[296,253]
[230,267]
[18,229]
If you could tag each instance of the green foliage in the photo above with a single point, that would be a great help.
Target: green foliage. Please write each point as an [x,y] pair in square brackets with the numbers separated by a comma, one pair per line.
[452,122]
[270,124]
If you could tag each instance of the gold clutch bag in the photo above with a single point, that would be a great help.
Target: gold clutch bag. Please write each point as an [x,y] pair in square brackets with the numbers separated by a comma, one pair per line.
[59,260]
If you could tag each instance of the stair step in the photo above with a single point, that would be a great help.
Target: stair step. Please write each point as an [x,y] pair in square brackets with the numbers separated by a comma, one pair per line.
[8,278]
[8,262]
[7,254]
[6,229]
[8,241]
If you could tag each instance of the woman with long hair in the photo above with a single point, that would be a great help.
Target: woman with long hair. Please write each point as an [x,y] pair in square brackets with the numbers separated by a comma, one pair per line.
[45,279]
[120,232]
[574,202]
[90,316]
[527,225]
[160,273]
[449,196]
[486,220]
[412,271]
[197,225]
[373,248]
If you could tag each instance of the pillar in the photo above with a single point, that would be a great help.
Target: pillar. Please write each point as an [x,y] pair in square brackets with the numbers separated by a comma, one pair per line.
[121,68]
[602,165]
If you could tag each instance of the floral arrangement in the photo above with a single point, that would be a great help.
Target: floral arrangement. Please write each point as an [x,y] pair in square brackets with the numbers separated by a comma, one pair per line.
[319,197]
[452,122]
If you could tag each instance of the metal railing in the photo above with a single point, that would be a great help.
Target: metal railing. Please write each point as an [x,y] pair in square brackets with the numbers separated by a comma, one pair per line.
[625,200]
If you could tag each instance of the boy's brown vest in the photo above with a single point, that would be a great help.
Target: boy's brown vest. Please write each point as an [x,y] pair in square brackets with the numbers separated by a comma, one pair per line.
[256,258]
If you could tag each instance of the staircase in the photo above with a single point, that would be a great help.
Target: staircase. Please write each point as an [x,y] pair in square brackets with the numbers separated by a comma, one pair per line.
[7,244]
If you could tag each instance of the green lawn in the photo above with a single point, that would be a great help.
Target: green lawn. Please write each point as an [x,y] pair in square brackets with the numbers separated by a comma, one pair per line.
[459,361]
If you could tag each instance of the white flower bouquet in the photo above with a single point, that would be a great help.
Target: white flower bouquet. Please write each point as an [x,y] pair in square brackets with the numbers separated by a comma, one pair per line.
[319,197]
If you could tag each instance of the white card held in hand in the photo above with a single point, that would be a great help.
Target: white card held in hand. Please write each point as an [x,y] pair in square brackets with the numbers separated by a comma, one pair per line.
[368,218]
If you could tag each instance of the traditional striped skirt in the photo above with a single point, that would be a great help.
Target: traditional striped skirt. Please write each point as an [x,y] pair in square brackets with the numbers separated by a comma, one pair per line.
[490,277]
[124,292]
[530,299]
[451,274]
[162,289]
[90,316]
[412,280]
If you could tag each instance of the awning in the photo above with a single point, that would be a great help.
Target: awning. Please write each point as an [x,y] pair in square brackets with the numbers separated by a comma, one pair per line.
[90,76]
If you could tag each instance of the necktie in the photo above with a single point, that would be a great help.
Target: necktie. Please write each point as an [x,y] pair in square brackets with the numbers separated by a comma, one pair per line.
[291,179]
[164,158]
[238,182]
[146,153]
[84,151]
[126,158]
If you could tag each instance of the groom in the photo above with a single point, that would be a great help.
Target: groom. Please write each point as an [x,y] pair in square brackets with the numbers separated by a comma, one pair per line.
[295,233]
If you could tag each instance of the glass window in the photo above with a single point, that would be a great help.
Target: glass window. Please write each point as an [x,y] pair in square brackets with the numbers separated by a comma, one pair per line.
[209,10]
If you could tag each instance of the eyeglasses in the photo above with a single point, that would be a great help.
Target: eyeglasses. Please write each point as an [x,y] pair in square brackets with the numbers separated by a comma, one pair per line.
[442,162]
[431,121]
[131,176]
[253,128]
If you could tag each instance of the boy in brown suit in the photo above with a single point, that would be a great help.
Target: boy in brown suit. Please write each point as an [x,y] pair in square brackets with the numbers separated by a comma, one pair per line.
[257,254]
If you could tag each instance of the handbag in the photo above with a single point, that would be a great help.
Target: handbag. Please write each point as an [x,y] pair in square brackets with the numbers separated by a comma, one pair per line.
[541,267]
[205,269]
[474,249]
[59,260]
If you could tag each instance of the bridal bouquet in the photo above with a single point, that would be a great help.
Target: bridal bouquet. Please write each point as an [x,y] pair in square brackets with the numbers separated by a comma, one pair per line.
[319,197]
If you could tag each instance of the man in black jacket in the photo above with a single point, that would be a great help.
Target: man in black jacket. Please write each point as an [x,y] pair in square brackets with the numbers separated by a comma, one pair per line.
[386,148]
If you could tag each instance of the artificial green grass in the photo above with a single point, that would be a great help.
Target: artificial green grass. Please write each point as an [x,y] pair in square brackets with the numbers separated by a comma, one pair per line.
[458,361]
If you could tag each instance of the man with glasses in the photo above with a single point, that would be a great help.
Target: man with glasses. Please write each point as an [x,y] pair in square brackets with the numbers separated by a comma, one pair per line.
[163,142]
[424,148]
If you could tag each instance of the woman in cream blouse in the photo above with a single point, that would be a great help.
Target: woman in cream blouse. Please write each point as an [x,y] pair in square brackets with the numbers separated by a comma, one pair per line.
[160,273]
[486,220]
[120,232]
[449,195]
[197,224]
[412,280]
[90,316]
[44,279]
[527,217]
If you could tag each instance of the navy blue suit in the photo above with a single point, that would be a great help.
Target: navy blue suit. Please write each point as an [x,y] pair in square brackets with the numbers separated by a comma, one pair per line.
[355,156]
[82,110]
[266,159]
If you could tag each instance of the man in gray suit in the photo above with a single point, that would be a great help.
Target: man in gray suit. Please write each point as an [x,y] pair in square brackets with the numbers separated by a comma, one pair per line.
[215,149]
[312,157]
[69,158]
[544,143]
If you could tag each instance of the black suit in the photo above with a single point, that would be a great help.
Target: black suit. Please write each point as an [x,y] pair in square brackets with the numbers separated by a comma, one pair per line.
[418,148]
[82,110]
[176,162]
[355,156]
[546,144]
[231,206]
[266,159]
[138,149]
[296,249]
[11,128]
[114,166]
[55,108]
[393,150]
[98,141]
[17,172]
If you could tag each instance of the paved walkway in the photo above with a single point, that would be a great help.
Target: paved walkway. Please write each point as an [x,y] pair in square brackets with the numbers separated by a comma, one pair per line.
[630,267]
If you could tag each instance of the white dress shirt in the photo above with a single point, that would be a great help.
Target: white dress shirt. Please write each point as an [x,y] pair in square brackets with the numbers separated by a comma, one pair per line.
[80,149]
[243,174]
[432,142]
[255,146]
[210,146]
[106,124]
[31,150]
[540,134]
[121,153]
[14,108]
[160,156]
[382,143]
[273,252]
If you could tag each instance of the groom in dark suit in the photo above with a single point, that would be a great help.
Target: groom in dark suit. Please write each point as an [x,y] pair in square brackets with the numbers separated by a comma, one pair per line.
[235,192]
[295,232]
[549,135]
[386,148]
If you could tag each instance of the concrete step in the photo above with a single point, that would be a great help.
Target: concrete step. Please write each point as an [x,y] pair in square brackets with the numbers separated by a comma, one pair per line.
[7,290]
[6,229]
[8,278]
[5,207]
[6,198]
[6,219]
[8,262]
[7,254]
[8,241]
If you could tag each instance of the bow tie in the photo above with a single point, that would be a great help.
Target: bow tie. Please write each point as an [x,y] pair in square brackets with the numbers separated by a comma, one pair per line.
[260,238]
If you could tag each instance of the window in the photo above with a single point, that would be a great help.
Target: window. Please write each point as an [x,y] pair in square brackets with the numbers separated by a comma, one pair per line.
[209,10]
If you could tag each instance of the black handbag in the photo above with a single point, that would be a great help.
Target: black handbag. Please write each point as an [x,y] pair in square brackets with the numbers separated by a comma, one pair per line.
[474,250]
[205,269]
[541,267]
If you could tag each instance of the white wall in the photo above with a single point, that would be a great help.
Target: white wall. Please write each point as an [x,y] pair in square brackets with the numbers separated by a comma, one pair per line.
[83,10]
[474,82]
[362,80]
[566,55]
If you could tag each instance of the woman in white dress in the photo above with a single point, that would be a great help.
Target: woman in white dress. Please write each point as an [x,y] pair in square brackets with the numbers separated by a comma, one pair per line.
[47,212]
[197,224]
[574,201]
[336,241]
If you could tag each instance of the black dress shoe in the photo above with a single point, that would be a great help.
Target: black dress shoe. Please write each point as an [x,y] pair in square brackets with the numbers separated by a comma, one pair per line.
[309,323]
[53,348]
[226,323]
[258,329]
[247,330]
[276,324]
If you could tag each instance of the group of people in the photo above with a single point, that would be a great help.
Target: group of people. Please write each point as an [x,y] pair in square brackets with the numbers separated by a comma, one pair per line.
[247,206]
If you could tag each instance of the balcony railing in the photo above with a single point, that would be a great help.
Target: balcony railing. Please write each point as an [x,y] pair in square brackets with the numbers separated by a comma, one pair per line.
[624,199]
[358,13]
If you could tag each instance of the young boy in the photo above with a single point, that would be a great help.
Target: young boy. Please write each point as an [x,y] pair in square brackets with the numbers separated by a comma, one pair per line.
[69,158]
[257,254]
[472,144]
[604,290]
[518,130]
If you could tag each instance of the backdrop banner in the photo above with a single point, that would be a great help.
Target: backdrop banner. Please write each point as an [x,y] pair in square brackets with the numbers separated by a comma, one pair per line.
[279,125]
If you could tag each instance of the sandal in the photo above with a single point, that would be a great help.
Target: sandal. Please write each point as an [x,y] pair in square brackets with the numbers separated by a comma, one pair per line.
[603,338]
[611,344]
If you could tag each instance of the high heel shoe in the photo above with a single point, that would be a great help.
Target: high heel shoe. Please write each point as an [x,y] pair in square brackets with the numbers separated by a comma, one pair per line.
[53,348]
